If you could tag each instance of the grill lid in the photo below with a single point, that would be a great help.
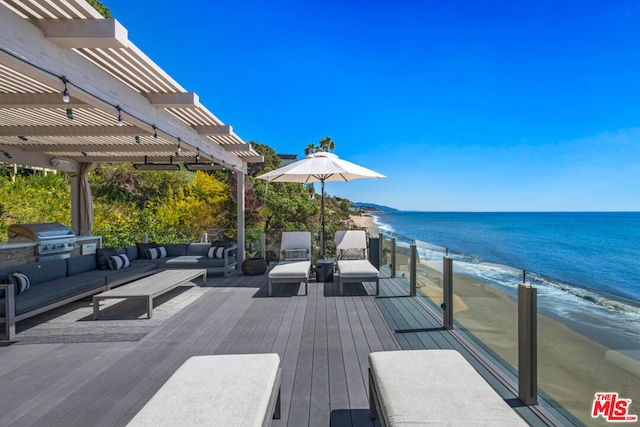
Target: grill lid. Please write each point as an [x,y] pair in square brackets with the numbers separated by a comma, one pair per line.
[39,232]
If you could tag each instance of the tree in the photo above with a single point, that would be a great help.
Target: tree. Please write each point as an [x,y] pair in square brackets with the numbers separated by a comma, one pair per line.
[326,144]
[271,160]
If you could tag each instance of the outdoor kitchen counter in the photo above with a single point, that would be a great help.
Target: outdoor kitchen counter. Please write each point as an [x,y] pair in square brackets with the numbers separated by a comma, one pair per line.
[18,253]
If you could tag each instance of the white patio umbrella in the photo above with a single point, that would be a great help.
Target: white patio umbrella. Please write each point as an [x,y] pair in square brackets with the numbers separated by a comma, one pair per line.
[320,167]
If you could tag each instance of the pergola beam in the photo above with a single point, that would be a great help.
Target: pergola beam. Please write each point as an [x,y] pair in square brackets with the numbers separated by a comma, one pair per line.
[84,33]
[173,100]
[214,130]
[36,57]
[112,148]
[71,131]
[37,100]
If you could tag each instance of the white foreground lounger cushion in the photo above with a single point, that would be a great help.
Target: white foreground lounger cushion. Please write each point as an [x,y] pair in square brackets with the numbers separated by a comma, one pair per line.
[435,387]
[219,390]
[290,270]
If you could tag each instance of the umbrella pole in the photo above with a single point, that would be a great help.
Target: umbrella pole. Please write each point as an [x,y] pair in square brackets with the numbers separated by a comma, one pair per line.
[322,219]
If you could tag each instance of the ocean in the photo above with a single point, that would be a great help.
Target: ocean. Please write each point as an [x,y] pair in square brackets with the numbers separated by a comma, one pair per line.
[586,265]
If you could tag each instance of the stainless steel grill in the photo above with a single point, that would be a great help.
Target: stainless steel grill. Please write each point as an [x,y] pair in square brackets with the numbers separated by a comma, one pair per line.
[52,240]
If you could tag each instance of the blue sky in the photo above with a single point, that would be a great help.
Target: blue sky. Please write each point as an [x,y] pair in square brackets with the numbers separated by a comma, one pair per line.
[463,105]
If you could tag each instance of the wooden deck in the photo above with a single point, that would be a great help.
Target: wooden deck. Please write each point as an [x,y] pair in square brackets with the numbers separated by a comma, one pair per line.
[323,340]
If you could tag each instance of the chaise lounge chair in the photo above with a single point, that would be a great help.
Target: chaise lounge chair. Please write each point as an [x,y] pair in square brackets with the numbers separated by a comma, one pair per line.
[353,265]
[294,265]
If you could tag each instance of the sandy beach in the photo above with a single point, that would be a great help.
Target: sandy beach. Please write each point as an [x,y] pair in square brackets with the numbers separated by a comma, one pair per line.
[571,366]
[365,221]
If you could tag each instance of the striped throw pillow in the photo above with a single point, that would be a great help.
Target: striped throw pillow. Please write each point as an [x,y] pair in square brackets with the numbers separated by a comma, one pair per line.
[216,252]
[20,282]
[117,262]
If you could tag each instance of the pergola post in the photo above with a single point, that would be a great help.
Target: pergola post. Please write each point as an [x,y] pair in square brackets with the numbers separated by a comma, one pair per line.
[240,177]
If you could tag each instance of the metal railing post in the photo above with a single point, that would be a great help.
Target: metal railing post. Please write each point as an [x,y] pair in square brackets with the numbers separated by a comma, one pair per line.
[413,270]
[527,344]
[447,292]
[263,245]
[393,257]
[380,247]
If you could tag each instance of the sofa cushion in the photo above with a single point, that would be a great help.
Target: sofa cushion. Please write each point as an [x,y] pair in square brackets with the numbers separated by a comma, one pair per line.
[102,257]
[116,277]
[131,252]
[80,264]
[198,249]
[52,291]
[44,271]
[20,282]
[176,249]
[142,249]
[157,253]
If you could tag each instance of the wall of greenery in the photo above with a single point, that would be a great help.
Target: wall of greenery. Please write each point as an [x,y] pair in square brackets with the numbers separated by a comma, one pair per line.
[168,206]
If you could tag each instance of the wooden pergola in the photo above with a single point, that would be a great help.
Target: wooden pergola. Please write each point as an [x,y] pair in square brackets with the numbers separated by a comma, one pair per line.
[75,92]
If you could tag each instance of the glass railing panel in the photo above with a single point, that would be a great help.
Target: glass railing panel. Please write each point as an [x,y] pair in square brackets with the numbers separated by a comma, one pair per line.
[402,260]
[386,251]
[588,343]
[429,271]
[485,305]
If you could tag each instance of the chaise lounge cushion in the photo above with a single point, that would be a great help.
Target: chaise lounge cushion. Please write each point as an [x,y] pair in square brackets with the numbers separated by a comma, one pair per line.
[439,387]
[356,269]
[290,270]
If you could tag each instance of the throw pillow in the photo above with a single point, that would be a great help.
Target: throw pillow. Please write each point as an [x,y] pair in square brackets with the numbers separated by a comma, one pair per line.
[295,254]
[142,249]
[162,252]
[117,262]
[20,282]
[223,243]
[102,257]
[216,252]
[352,253]
[152,253]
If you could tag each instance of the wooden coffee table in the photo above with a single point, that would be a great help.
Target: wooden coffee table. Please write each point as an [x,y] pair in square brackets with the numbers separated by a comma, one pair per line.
[150,287]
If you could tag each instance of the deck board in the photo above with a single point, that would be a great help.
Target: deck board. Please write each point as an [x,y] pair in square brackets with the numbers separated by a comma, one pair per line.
[323,340]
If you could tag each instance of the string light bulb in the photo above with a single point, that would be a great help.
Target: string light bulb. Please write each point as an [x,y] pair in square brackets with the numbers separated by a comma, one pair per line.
[198,156]
[137,139]
[65,92]
[155,134]
[120,123]
[179,150]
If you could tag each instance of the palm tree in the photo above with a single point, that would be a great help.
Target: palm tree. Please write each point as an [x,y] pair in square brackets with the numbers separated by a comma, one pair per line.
[311,148]
[326,144]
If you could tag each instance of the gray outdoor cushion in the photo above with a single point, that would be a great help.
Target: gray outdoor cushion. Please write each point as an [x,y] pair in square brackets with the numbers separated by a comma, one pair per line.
[81,264]
[131,252]
[46,293]
[44,271]
[290,270]
[116,277]
[436,387]
[216,390]
[175,249]
[356,268]
[201,249]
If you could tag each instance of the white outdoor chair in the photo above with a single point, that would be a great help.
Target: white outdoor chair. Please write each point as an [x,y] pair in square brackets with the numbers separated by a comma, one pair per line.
[295,260]
[353,264]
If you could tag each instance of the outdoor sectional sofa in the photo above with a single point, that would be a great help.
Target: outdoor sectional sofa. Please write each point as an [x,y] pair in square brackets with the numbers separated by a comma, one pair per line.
[59,282]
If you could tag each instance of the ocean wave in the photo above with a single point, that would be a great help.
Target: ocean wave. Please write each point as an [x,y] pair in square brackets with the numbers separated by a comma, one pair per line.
[554,296]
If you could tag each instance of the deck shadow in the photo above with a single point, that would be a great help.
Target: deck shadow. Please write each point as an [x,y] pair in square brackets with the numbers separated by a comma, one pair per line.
[351,417]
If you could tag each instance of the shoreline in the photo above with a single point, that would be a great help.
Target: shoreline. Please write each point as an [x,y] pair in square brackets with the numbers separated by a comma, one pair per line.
[365,221]
[572,367]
